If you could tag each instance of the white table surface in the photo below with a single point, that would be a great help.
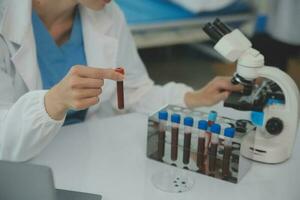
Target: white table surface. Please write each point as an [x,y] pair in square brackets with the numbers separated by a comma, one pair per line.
[108,157]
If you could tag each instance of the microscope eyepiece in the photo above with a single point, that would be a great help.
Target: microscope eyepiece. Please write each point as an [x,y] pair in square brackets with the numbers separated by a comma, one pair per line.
[222,27]
[216,30]
[214,33]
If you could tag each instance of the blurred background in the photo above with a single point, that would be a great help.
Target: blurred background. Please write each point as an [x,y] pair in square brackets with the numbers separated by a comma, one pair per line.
[173,46]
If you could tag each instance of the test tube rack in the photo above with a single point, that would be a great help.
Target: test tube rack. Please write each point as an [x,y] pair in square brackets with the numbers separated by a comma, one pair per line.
[237,164]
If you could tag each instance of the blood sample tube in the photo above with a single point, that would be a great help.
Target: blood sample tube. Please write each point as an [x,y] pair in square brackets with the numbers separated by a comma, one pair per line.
[163,117]
[175,119]
[188,126]
[120,89]
[228,135]
[212,117]
[202,127]
[213,149]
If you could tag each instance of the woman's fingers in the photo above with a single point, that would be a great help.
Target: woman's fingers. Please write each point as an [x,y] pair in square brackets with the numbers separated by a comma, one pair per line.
[224,83]
[111,74]
[90,83]
[82,86]
[222,96]
[86,93]
[96,73]
[85,103]
[235,88]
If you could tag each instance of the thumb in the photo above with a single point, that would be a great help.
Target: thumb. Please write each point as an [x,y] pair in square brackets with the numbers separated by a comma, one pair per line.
[237,88]
[231,87]
[223,95]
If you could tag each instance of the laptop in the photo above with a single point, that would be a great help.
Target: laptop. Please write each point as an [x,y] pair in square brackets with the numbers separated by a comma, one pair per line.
[21,181]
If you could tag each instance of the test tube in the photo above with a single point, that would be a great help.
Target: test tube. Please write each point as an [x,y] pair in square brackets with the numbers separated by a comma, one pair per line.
[188,126]
[213,149]
[212,117]
[175,119]
[202,126]
[228,135]
[120,89]
[163,117]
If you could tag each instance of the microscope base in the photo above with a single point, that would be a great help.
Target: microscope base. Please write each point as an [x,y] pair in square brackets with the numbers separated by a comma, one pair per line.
[264,149]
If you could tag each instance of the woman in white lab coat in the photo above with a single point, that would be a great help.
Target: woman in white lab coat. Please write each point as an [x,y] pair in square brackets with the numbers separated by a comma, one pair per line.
[31,114]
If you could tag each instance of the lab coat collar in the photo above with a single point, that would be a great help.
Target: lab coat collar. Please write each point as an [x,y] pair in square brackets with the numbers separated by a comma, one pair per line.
[100,47]
[16,20]
[16,26]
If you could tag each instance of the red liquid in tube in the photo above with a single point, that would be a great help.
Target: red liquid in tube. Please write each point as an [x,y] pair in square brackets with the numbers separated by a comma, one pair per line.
[120,89]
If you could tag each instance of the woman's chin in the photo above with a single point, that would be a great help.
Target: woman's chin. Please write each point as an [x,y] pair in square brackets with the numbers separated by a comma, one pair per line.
[99,6]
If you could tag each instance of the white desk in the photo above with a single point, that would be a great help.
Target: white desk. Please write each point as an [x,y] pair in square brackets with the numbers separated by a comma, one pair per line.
[108,157]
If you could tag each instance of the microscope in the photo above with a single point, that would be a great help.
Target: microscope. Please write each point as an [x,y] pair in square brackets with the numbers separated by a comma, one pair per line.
[274,102]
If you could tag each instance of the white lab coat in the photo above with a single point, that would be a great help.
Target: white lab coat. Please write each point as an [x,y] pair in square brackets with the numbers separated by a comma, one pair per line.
[283,20]
[197,6]
[25,127]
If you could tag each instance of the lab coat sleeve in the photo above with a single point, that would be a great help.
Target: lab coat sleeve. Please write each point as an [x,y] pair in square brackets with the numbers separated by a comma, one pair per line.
[141,94]
[25,126]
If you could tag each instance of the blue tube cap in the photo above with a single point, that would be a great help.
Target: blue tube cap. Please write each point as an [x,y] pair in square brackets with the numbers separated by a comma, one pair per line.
[163,115]
[202,124]
[188,121]
[229,132]
[215,128]
[212,116]
[175,118]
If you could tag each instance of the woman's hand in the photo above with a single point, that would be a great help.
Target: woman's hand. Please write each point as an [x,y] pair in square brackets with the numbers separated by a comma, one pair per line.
[215,91]
[79,90]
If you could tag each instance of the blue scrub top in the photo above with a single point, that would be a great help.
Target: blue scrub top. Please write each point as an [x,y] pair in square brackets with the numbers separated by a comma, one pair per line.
[56,61]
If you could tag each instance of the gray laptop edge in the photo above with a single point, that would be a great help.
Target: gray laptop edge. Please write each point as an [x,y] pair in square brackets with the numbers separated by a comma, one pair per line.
[21,181]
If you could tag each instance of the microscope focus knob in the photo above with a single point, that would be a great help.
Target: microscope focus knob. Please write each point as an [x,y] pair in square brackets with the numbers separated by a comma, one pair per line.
[274,126]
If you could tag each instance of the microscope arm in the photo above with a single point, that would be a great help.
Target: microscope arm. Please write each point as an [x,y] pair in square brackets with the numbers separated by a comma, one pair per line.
[286,113]
[287,85]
